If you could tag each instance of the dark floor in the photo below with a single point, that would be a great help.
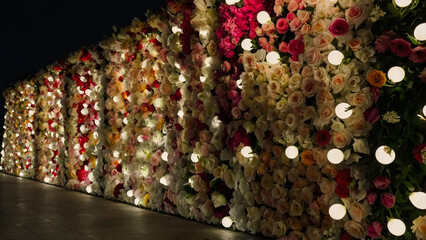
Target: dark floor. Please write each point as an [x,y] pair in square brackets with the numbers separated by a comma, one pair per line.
[33,210]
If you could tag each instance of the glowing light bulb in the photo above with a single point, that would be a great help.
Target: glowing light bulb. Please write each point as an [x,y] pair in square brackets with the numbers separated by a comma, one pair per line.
[291,152]
[424,110]
[240,83]
[176,29]
[402,3]
[84,111]
[337,211]
[335,156]
[335,57]
[342,110]
[177,65]
[140,138]
[130,193]
[194,157]
[396,74]
[182,78]
[165,180]
[89,188]
[246,44]
[273,57]
[227,222]
[164,156]
[116,99]
[420,32]
[263,17]
[418,199]
[385,155]
[202,79]
[396,227]
[247,152]
[180,113]
[116,154]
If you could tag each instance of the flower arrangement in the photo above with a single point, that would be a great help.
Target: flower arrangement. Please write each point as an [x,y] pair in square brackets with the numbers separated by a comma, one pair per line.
[281,118]
[50,125]
[85,94]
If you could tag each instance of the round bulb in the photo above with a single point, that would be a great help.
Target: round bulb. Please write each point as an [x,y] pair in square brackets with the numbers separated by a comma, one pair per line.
[247,152]
[418,199]
[202,78]
[385,155]
[335,156]
[130,193]
[227,222]
[424,110]
[140,138]
[116,154]
[420,32]
[335,57]
[165,180]
[396,74]
[180,113]
[273,57]
[246,44]
[89,188]
[240,84]
[396,227]
[164,156]
[402,3]
[182,78]
[231,2]
[263,17]
[337,211]
[342,110]
[291,152]
[194,157]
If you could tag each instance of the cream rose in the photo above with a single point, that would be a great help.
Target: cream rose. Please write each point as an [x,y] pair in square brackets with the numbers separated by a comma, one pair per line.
[338,81]
[419,227]
[341,139]
[313,56]
[360,145]
[296,99]
[253,213]
[228,178]
[355,229]
[323,40]
[357,211]
[295,81]
[309,87]
[357,13]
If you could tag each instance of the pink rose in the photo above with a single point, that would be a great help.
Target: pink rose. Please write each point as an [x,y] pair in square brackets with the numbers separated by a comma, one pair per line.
[295,24]
[400,47]
[388,200]
[282,26]
[338,27]
[290,16]
[356,14]
[381,182]
[283,47]
[371,197]
[292,6]
[355,44]
[375,230]
[263,42]
[268,28]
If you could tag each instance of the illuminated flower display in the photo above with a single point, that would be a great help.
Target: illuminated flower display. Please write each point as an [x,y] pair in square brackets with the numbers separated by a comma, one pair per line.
[293,119]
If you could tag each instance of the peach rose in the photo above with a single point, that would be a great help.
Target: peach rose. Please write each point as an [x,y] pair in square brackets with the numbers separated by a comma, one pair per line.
[295,24]
[319,25]
[292,6]
[329,170]
[355,44]
[325,114]
[295,67]
[303,15]
[419,227]
[307,71]
[324,97]
[313,174]
[296,99]
[357,211]
[340,139]
[268,28]
[338,81]
[327,186]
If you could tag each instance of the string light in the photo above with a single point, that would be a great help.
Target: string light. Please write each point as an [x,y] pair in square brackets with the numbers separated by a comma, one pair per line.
[335,57]
[335,156]
[291,152]
[247,152]
[420,32]
[402,3]
[337,211]
[273,57]
[194,157]
[385,155]
[227,222]
[396,74]
[396,227]
[343,111]
[263,17]
[246,44]
[418,199]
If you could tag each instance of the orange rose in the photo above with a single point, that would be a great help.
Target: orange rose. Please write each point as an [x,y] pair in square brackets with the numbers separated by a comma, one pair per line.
[376,78]
[307,158]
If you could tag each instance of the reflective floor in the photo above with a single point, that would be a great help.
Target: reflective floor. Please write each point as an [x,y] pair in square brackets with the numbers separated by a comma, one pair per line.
[33,210]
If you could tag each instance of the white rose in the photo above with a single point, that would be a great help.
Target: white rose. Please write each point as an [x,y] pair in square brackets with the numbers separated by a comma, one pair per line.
[218,199]
[360,145]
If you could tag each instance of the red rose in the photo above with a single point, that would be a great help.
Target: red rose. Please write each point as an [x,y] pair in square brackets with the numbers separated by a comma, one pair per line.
[323,138]
[296,47]
[343,179]
[388,200]
[282,26]
[371,197]
[375,230]
[81,174]
[371,115]
[346,236]
[338,27]
[381,182]
[400,47]
[117,189]
[420,153]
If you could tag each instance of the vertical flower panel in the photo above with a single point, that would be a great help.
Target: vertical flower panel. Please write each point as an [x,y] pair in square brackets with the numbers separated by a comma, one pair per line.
[50,122]
[85,121]
[9,134]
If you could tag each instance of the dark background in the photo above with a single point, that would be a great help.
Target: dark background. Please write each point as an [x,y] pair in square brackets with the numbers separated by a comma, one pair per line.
[36,33]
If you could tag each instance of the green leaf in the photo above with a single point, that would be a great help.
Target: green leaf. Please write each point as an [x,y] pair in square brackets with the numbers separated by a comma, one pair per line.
[417,137]
[409,186]
[392,9]
[413,40]
[310,9]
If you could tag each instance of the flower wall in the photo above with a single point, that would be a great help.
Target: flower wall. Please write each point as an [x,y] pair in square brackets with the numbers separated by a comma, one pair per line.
[50,139]
[285,118]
